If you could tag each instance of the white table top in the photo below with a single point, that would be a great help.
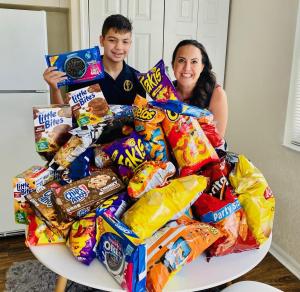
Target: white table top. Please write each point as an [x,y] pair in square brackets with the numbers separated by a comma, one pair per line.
[197,275]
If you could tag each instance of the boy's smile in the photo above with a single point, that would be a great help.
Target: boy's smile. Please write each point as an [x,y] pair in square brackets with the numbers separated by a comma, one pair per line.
[116,45]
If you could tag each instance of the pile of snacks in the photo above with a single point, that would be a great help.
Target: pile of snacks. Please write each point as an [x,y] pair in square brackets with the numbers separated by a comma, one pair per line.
[145,189]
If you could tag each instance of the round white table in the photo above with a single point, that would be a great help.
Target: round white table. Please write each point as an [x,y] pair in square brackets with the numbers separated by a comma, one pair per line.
[198,275]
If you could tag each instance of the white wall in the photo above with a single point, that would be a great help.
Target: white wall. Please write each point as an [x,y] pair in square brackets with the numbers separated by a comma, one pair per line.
[260,47]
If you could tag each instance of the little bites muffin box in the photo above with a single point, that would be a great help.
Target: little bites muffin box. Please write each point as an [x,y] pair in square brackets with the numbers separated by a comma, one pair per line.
[52,124]
[89,106]
[24,183]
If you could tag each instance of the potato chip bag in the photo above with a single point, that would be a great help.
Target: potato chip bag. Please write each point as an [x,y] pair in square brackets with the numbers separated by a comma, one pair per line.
[228,216]
[147,124]
[255,197]
[160,205]
[150,175]
[190,146]
[82,238]
[173,246]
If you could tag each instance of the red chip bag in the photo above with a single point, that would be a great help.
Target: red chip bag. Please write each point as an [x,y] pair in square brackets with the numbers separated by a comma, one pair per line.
[228,216]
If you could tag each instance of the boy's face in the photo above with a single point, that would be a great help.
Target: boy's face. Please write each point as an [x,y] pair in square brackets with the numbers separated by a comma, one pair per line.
[116,45]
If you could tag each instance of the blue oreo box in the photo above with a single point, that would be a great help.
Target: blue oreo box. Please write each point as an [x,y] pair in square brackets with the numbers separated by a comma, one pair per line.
[121,251]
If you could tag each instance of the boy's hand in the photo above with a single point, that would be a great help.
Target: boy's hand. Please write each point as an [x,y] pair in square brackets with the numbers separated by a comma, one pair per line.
[52,77]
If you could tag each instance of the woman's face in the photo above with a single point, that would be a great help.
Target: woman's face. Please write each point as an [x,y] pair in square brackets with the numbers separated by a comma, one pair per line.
[187,65]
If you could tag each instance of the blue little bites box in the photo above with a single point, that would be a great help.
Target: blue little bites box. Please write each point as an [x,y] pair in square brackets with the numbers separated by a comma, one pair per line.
[121,251]
[79,66]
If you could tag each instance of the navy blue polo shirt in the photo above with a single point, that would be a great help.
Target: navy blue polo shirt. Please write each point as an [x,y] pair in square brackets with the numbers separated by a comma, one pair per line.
[121,90]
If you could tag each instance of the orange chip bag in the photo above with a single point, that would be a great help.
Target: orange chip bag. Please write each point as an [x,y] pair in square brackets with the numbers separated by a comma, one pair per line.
[147,121]
[255,197]
[190,146]
[173,246]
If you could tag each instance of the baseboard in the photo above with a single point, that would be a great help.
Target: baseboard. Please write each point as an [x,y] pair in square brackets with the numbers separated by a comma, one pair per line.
[292,265]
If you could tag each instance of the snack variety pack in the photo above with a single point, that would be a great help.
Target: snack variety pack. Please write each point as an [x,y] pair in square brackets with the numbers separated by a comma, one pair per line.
[142,189]
[79,66]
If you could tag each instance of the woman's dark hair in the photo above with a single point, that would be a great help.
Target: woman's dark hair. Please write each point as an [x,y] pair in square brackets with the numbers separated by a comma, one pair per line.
[118,22]
[207,80]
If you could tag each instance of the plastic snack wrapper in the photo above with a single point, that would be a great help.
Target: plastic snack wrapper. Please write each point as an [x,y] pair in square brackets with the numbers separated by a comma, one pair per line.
[116,204]
[160,205]
[121,251]
[102,160]
[78,198]
[228,216]
[28,181]
[180,107]
[52,124]
[128,151]
[41,203]
[157,83]
[150,175]
[255,196]
[81,139]
[89,106]
[147,124]
[117,127]
[38,233]
[79,168]
[82,238]
[190,146]
[79,66]
[173,246]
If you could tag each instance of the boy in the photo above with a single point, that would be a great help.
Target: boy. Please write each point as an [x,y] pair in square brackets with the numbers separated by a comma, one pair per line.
[120,84]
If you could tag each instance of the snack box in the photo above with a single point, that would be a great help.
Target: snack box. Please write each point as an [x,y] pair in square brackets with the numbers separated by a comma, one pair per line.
[24,183]
[121,251]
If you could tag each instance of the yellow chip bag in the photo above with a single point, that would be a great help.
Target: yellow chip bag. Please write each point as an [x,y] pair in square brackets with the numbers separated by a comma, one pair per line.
[156,207]
[255,197]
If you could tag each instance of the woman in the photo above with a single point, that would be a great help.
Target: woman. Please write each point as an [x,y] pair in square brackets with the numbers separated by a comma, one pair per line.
[196,83]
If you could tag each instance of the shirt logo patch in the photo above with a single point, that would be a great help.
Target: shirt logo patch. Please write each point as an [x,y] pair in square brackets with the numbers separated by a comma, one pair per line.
[127,85]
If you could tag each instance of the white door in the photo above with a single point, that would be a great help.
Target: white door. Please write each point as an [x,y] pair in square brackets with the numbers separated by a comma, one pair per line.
[180,23]
[212,32]
[98,10]
[148,24]
[147,17]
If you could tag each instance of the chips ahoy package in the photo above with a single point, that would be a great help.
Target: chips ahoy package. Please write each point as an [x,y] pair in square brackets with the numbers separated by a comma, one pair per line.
[121,251]
[79,66]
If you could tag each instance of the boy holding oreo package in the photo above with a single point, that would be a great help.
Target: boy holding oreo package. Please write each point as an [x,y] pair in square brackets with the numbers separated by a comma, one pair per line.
[120,84]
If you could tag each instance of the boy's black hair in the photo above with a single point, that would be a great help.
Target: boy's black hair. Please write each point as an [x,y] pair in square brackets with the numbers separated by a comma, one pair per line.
[118,22]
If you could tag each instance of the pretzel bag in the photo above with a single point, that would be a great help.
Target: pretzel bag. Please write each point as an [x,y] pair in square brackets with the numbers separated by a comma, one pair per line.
[173,246]
[160,205]
[255,196]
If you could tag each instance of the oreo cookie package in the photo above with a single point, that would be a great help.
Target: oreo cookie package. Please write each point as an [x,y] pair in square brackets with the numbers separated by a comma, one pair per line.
[121,251]
[79,66]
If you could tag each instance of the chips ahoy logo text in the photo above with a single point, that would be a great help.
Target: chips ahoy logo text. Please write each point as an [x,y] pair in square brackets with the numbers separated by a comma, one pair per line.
[45,199]
[76,194]
[214,217]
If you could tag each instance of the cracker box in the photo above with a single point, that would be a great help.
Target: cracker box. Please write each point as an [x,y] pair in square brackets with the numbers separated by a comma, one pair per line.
[24,183]
[121,251]
[89,106]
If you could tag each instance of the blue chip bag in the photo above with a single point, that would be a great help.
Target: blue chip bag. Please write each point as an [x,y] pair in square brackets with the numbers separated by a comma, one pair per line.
[79,66]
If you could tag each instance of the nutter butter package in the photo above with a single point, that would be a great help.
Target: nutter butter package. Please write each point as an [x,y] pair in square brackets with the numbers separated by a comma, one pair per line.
[121,251]
[78,198]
